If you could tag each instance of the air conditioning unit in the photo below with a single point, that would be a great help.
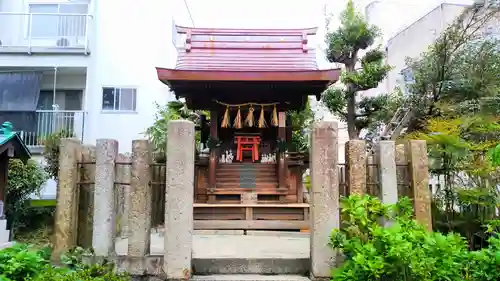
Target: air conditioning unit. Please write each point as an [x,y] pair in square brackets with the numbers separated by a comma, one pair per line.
[62,42]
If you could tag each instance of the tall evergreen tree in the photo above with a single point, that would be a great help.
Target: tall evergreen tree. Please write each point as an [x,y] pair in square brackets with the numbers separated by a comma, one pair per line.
[343,46]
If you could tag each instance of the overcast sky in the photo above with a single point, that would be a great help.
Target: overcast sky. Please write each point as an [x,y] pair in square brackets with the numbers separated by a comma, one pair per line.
[391,16]
[289,13]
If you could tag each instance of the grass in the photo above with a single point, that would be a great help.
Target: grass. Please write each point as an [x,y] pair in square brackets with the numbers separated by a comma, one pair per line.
[39,238]
[43,203]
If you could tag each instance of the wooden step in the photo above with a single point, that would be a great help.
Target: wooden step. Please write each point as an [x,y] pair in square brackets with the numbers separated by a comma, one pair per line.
[279,206]
[238,178]
[246,166]
[246,180]
[239,175]
[233,170]
[229,171]
[269,184]
[229,190]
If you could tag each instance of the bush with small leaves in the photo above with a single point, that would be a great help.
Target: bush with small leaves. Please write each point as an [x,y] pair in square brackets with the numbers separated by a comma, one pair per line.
[383,242]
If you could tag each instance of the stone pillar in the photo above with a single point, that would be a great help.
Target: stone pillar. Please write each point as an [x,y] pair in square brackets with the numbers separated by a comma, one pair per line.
[419,178]
[402,170]
[355,157]
[324,206]
[67,198]
[179,200]
[122,201]
[86,194]
[139,217]
[386,160]
[372,187]
[103,235]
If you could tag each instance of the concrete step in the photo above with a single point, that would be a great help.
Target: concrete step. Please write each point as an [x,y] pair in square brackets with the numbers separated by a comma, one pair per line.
[259,266]
[4,233]
[249,277]
[6,245]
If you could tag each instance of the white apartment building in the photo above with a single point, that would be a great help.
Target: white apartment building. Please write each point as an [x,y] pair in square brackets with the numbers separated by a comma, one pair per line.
[414,39]
[86,66]
[415,36]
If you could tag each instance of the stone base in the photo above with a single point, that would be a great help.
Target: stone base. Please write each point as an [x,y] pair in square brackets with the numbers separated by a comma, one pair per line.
[250,277]
[231,277]
[218,232]
[152,265]
[312,278]
[4,233]
[267,266]
[277,233]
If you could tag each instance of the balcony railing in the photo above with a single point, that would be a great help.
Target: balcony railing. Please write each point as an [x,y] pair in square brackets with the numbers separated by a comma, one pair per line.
[40,32]
[48,122]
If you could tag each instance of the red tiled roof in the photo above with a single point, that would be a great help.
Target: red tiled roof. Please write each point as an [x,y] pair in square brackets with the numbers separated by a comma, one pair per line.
[208,49]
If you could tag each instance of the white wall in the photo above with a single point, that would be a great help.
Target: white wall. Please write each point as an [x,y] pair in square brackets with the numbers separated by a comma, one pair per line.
[129,41]
[415,39]
[13,28]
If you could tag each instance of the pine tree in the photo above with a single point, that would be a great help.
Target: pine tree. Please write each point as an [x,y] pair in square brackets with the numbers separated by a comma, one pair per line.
[343,46]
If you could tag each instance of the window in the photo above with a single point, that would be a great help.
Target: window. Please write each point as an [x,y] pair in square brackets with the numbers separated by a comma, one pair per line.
[119,99]
[58,20]
[407,79]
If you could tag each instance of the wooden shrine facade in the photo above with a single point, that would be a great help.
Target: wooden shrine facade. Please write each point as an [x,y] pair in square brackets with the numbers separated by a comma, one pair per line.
[247,80]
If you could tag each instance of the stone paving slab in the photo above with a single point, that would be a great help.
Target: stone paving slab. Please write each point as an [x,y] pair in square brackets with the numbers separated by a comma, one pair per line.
[6,245]
[277,233]
[235,246]
[250,277]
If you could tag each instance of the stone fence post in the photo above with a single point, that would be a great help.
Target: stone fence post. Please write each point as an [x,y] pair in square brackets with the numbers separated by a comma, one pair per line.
[416,151]
[103,234]
[356,160]
[139,217]
[86,197]
[179,194]
[324,206]
[65,235]
[122,200]
[402,172]
[386,161]
[387,173]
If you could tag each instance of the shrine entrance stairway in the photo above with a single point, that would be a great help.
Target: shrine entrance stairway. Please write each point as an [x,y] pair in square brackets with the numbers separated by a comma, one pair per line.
[247,197]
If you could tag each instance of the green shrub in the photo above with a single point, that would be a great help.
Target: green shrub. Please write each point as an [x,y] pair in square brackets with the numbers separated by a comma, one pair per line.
[51,151]
[403,249]
[485,263]
[22,262]
[24,179]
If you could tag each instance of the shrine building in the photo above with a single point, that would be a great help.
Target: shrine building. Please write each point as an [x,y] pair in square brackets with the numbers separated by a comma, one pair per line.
[248,79]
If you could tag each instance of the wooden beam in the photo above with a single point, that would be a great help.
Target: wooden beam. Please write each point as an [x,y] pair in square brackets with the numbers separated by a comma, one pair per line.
[282,167]
[291,205]
[212,164]
[250,224]
[326,76]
